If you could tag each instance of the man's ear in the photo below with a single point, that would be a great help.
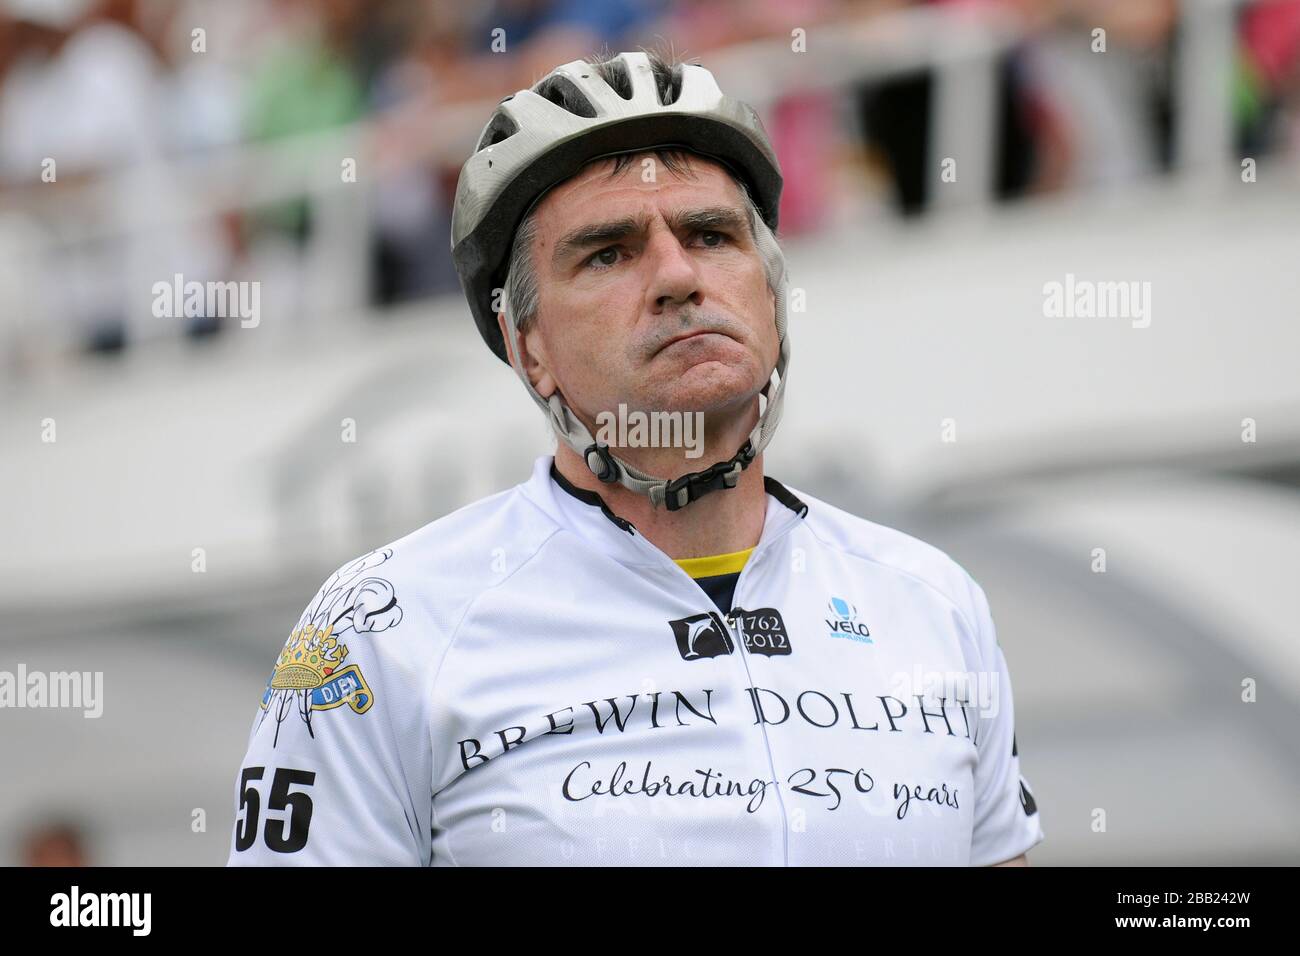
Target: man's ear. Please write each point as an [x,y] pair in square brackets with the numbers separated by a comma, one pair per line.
[534,365]
[511,347]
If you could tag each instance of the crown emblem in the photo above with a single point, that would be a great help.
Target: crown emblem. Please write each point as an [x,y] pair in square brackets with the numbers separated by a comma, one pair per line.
[309,658]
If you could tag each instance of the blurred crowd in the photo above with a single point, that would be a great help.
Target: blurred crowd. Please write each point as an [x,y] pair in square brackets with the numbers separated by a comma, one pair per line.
[123,87]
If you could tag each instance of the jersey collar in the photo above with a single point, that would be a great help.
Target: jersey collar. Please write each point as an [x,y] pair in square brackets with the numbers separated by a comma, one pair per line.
[585,513]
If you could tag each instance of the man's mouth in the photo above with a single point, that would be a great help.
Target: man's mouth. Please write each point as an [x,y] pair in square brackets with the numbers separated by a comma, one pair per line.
[688,335]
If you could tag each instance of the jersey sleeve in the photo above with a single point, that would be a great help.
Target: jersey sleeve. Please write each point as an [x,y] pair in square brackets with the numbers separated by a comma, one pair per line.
[337,770]
[1007,821]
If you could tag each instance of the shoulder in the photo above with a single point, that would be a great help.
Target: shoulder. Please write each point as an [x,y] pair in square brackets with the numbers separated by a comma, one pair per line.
[456,557]
[893,552]
[403,601]
[372,639]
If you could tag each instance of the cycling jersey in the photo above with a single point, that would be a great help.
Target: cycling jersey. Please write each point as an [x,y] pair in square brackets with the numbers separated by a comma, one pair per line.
[529,681]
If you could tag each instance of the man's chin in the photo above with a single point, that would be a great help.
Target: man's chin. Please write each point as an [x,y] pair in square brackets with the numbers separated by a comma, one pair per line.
[709,386]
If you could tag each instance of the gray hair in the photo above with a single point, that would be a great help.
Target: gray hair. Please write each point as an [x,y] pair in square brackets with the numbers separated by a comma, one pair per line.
[521,279]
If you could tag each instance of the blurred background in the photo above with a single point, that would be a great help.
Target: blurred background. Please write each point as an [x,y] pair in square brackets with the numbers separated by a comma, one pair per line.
[1125,488]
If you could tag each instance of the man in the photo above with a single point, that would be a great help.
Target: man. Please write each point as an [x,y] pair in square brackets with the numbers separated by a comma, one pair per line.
[603,666]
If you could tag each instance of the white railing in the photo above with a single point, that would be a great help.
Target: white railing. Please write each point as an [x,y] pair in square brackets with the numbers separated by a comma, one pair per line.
[962,47]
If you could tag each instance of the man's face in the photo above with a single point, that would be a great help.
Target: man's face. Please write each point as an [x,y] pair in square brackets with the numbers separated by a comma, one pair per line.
[652,293]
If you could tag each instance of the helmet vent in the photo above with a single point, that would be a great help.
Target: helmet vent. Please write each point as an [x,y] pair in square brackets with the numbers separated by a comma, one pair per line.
[562,91]
[669,86]
[500,127]
[614,72]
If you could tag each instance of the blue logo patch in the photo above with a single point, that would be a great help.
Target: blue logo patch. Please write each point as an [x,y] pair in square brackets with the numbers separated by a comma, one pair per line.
[843,622]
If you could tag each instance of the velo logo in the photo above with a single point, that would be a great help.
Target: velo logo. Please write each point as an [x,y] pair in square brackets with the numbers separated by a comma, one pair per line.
[843,622]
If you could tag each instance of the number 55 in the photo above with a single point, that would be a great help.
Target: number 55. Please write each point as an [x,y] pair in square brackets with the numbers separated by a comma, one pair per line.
[285,835]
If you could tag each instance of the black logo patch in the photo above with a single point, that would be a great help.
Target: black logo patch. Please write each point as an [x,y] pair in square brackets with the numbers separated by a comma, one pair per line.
[1027,800]
[763,631]
[702,635]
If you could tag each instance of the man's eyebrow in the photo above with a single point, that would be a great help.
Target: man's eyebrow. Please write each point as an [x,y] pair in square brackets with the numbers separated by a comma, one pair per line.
[601,233]
[608,233]
[712,217]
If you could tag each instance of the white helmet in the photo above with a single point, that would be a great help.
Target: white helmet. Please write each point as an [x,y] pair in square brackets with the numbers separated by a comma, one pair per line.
[538,138]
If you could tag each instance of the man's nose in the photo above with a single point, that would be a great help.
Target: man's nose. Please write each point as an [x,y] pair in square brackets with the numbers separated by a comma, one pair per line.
[674,278]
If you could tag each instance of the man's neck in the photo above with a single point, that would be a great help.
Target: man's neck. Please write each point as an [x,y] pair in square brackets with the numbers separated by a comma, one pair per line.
[721,522]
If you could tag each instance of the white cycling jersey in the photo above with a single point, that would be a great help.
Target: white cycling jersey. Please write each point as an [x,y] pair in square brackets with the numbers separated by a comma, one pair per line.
[529,681]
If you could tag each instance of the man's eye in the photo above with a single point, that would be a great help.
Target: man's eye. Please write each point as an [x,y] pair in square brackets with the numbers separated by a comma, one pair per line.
[718,235]
[601,260]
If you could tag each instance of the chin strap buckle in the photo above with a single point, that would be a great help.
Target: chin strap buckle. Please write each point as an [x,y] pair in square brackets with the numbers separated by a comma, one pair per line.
[680,492]
[608,467]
